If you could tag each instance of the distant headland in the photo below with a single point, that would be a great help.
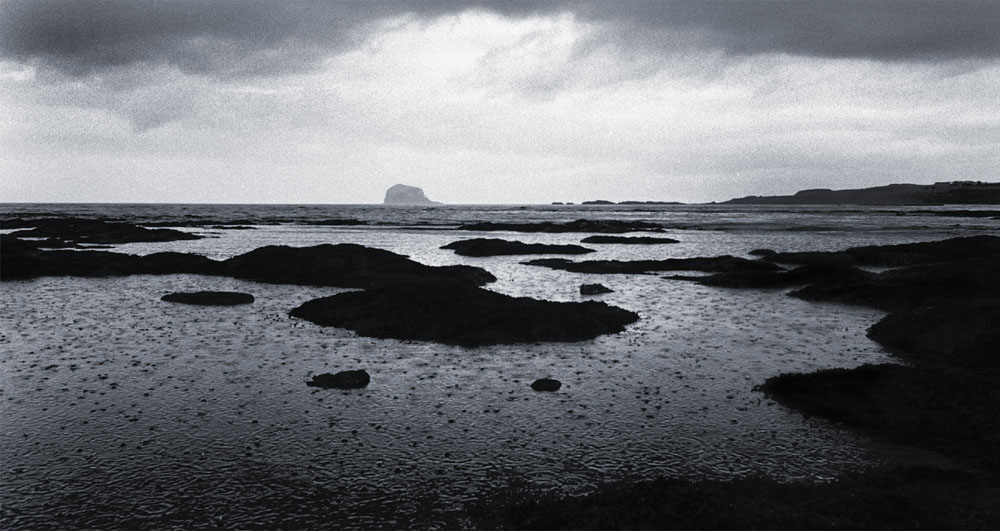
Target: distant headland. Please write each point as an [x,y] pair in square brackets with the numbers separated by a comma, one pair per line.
[402,194]
[943,193]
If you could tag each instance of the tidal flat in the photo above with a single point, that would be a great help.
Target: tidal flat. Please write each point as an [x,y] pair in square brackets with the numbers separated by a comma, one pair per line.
[121,410]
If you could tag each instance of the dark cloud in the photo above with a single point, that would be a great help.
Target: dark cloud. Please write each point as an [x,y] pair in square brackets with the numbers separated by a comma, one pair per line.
[232,37]
[880,30]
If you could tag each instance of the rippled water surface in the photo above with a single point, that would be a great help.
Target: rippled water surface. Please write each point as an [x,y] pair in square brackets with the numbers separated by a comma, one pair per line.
[120,410]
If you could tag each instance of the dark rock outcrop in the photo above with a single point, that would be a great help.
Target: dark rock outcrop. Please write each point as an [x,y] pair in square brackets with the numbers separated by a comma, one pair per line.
[594,289]
[344,265]
[402,194]
[342,380]
[546,384]
[210,298]
[762,252]
[458,313]
[602,226]
[78,230]
[944,305]
[717,263]
[22,260]
[628,240]
[495,247]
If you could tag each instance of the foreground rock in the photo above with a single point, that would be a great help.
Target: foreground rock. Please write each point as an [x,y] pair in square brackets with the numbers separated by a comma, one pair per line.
[628,240]
[604,226]
[890,498]
[604,267]
[594,289]
[210,298]
[344,265]
[92,231]
[952,411]
[342,380]
[456,313]
[495,247]
[546,384]
[944,304]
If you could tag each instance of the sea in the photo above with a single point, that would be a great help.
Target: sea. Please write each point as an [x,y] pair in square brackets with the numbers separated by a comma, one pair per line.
[120,411]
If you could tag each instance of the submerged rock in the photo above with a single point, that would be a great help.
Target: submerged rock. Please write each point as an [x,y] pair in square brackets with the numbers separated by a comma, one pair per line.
[594,289]
[604,226]
[457,313]
[781,279]
[496,247]
[210,298]
[341,380]
[718,263]
[546,384]
[629,240]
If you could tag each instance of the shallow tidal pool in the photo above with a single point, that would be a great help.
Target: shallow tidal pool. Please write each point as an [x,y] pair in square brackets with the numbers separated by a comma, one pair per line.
[120,410]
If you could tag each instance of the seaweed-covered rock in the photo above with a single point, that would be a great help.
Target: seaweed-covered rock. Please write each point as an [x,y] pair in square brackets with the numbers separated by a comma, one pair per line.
[594,289]
[546,384]
[341,380]
[962,332]
[602,226]
[209,298]
[628,240]
[717,263]
[497,247]
[457,313]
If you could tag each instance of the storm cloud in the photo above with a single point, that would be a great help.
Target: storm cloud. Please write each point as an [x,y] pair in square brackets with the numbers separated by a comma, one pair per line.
[231,37]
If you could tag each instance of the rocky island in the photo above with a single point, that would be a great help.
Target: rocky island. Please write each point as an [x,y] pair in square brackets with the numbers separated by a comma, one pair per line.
[402,194]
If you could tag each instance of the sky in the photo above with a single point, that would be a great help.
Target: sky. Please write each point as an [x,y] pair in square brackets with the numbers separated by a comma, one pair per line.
[294,101]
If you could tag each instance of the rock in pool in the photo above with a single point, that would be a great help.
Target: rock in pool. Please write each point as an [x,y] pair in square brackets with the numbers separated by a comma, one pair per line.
[455,313]
[546,384]
[342,380]
[594,289]
[210,298]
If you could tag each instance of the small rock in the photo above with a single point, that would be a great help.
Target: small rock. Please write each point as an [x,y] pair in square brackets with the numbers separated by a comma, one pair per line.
[546,384]
[594,289]
[762,252]
[342,380]
[210,298]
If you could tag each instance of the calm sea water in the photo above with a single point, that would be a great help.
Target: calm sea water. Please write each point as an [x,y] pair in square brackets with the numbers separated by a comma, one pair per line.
[122,411]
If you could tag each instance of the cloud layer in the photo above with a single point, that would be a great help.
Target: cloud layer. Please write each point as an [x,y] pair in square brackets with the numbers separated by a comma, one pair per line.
[507,101]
